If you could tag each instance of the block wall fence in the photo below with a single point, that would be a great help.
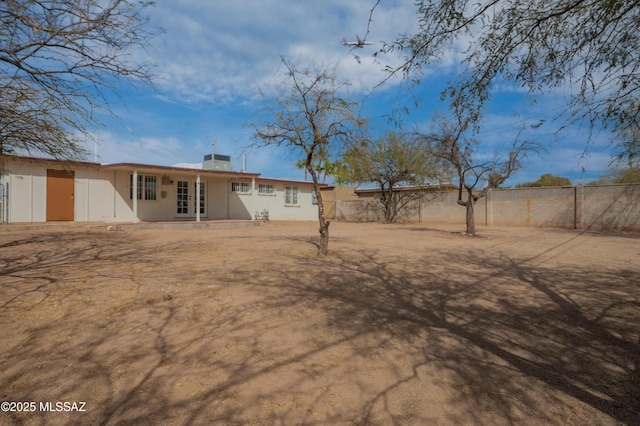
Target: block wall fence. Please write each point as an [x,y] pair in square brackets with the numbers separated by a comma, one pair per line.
[597,208]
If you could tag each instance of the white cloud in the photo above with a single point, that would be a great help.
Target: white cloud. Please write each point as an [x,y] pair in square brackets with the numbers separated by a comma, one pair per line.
[215,51]
[112,148]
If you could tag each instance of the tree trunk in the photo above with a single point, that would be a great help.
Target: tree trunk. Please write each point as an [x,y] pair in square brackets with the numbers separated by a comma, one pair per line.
[471,223]
[323,245]
[388,204]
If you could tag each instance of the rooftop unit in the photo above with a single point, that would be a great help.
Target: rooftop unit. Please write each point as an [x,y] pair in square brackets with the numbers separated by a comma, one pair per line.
[216,162]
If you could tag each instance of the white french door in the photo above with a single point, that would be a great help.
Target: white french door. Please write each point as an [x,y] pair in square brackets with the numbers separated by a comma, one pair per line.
[186,202]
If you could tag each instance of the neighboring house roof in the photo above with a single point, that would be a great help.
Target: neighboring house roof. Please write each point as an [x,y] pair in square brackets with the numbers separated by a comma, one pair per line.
[426,188]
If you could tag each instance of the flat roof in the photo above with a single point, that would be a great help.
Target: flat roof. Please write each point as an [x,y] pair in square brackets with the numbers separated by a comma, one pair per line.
[50,161]
[152,167]
[131,166]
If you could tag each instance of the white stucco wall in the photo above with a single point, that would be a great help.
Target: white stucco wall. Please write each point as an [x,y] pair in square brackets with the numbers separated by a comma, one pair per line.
[89,196]
[240,204]
[102,194]
[122,211]
[26,186]
[219,203]
[27,193]
[147,210]
[218,199]
[275,203]
[109,196]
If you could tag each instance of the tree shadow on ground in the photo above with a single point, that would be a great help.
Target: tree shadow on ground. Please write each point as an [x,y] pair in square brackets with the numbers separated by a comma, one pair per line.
[501,325]
[360,337]
[63,339]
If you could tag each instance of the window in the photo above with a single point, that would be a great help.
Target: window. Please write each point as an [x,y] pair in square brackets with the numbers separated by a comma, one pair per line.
[146,187]
[291,195]
[265,189]
[149,187]
[241,187]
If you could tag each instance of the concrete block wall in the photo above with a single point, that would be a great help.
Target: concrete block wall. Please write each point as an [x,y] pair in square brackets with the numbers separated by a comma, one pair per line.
[358,211]
[445,208]
[539,207]
[609,208]
[599,208]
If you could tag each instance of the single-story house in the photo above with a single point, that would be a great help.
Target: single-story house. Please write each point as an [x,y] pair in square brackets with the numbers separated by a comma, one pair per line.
[45,190]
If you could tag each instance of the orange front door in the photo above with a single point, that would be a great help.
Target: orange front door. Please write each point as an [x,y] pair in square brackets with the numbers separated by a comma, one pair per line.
[60,186]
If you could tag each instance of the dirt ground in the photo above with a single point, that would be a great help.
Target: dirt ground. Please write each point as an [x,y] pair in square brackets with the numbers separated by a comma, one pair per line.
[400,324]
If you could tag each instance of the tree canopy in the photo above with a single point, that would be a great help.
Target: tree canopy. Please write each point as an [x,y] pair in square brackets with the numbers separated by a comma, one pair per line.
[546,179]
[392,162]
[589,46]
[630,175]
[60,60]
[621,176]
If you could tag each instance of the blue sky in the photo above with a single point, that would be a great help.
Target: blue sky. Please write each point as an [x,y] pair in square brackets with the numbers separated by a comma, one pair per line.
[212,55]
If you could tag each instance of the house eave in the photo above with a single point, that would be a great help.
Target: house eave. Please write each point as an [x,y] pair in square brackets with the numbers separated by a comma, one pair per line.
[184,170]
[50,161]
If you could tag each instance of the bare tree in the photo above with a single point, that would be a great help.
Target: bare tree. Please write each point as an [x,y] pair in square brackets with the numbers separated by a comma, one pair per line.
[60,61]
[448,143]
[590,46]
[398,165]
[309,116]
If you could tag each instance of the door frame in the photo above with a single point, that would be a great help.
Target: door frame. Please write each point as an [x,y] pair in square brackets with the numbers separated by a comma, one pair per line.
[60,202]
[190,198]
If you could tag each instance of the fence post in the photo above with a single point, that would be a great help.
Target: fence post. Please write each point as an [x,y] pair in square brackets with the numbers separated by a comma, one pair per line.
[488,208]
[581,208]
[575,207]
[578,206]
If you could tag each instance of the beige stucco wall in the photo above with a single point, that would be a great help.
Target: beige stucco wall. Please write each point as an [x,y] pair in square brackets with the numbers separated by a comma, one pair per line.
[331,194]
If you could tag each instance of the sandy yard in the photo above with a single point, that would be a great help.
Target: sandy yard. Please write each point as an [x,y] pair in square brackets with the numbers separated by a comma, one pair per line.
[400,324]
